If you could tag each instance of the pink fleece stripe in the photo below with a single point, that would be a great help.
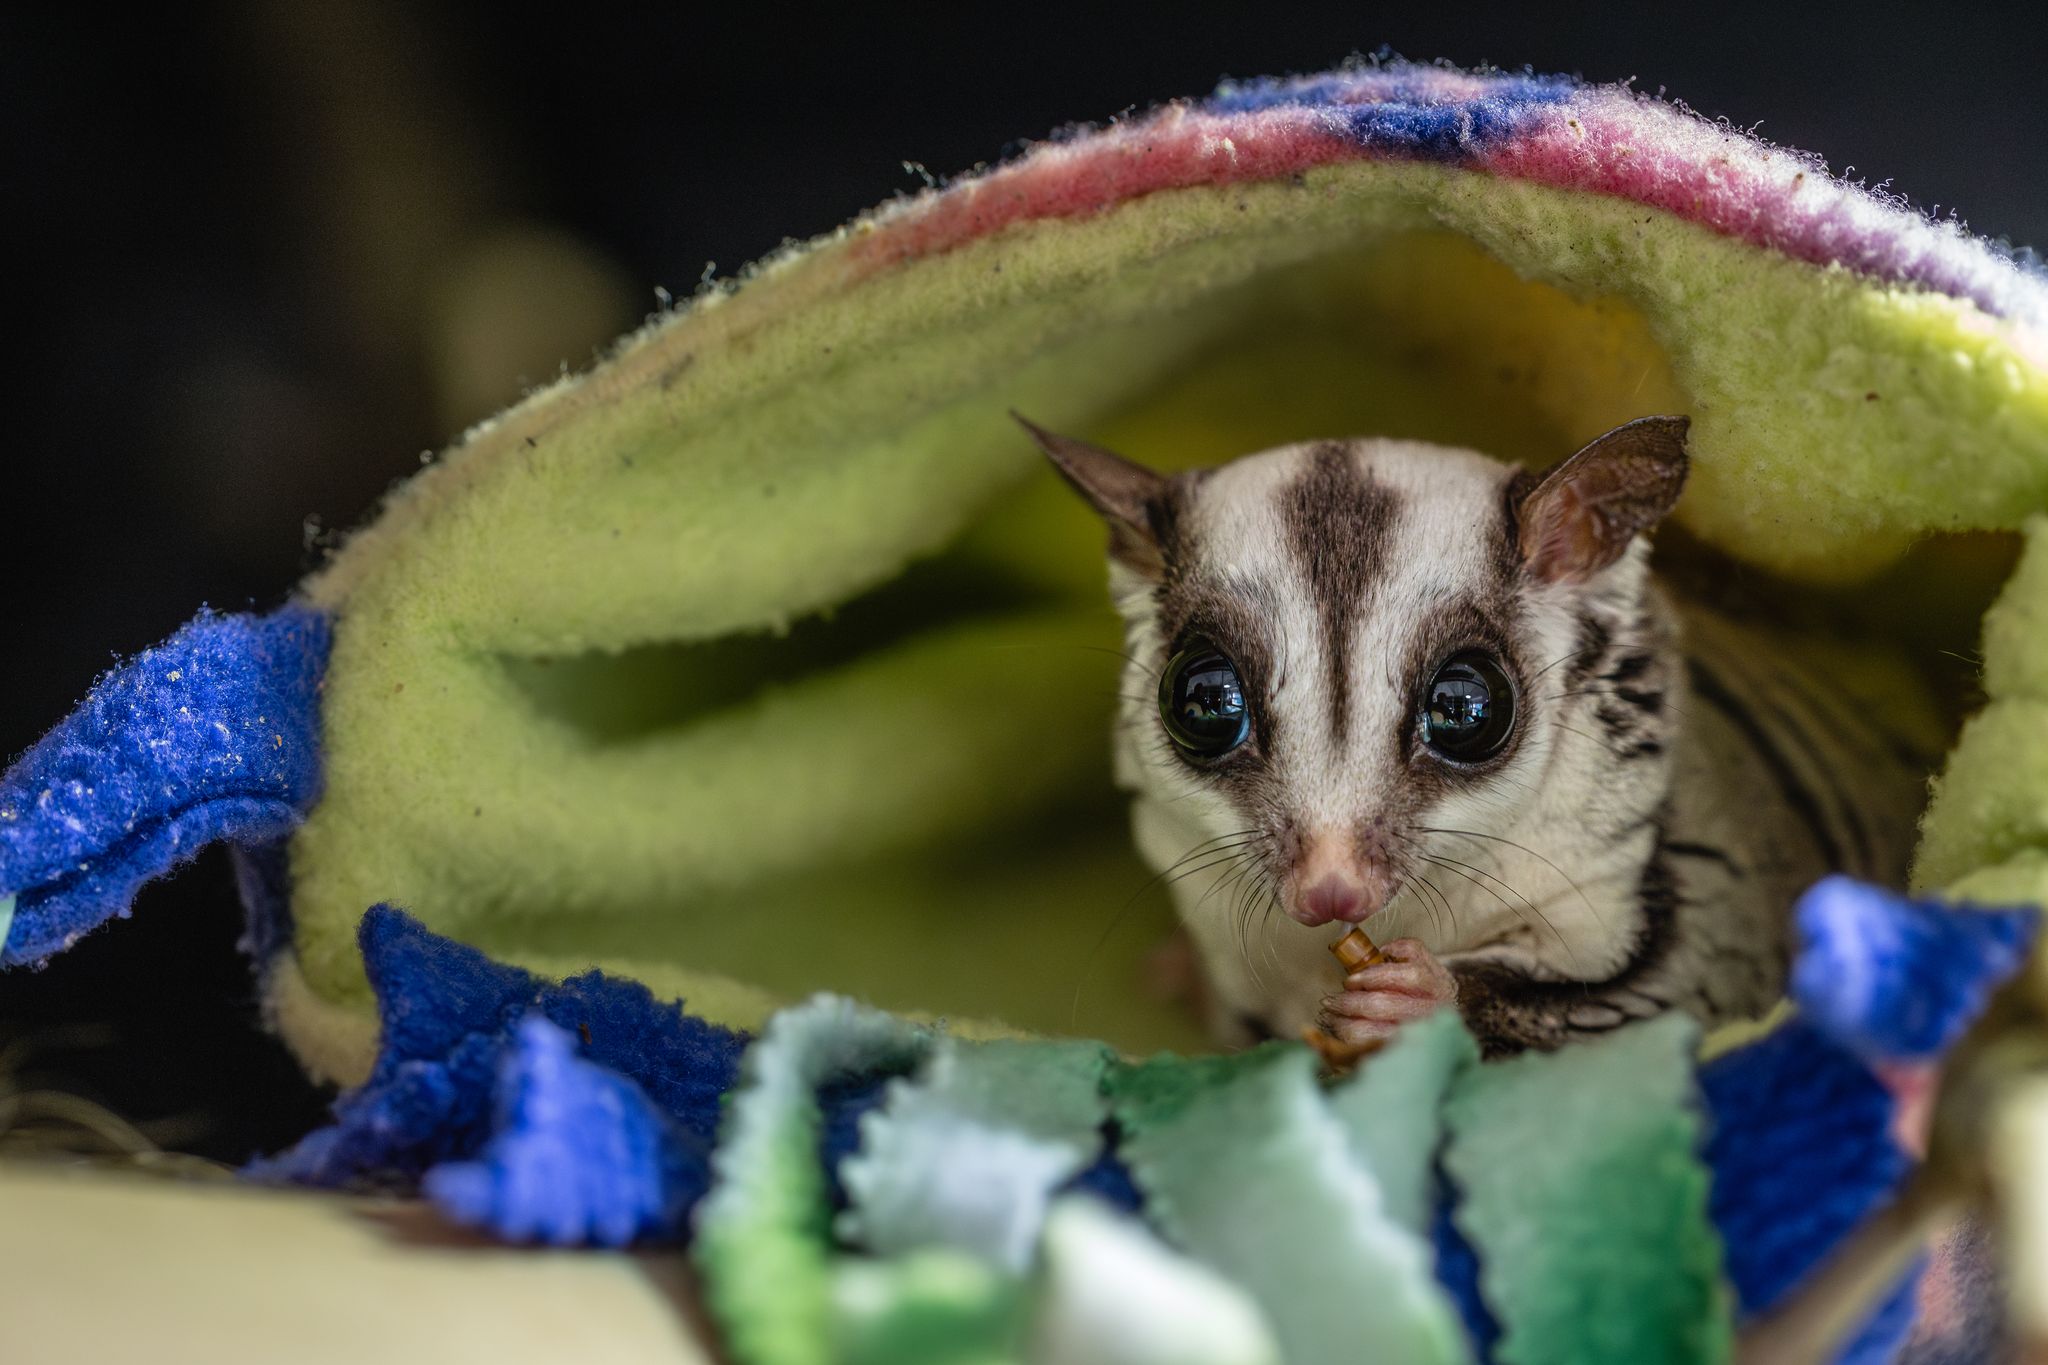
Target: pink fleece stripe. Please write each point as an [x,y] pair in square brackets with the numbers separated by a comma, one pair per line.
[1177,148]
[1602,140]
[1634,148]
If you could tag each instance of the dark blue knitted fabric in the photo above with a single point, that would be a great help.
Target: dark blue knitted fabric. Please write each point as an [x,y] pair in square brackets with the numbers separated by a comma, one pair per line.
[446,1011]
[1801,1143]
[1107,1177]
[584,1111]
[213,734]
[1878,1341]
[1801,1148]
[1895,979]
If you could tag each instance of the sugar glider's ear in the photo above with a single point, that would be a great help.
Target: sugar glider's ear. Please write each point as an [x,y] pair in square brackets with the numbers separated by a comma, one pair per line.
[1129,496]
[1579,516]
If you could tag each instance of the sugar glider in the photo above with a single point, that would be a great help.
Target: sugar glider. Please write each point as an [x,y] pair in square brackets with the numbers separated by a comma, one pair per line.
[1386,683]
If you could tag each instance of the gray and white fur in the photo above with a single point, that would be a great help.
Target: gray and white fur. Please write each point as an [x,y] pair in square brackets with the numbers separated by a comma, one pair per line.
[1666,791]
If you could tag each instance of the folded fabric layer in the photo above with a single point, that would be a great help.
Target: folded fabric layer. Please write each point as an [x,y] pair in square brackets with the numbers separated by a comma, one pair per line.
[214,734]
[451,1018]
[1244,1165]
[721,625]
[970,1155]
[1115,1295]
[1581,1190]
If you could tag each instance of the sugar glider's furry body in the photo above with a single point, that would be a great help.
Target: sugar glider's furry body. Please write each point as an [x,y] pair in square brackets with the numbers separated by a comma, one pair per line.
[1665,791]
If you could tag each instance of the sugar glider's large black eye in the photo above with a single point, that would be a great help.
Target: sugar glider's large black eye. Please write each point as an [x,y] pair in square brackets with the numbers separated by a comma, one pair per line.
[1469,708]
[1201,699]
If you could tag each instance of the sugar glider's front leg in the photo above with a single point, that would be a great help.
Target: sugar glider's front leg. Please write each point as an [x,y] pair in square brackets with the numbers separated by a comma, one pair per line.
[1407,983]
[1506,1010]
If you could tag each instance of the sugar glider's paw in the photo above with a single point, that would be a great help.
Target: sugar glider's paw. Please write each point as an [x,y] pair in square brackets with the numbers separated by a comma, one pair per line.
[1377,1000]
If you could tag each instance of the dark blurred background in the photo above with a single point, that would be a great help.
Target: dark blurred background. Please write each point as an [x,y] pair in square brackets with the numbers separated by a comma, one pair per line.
[267,254]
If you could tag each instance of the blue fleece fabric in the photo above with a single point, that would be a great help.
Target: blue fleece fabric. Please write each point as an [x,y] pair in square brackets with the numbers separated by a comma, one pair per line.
[446,1011]
[579,1154]
[1799,1121]
[450,1080]
[1405,121]
[1895,979]
[1107,1178]
[213,734]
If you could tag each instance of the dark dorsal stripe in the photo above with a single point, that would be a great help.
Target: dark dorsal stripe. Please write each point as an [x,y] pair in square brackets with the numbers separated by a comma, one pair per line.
[1798,796]
[1832,744]
[1339,525]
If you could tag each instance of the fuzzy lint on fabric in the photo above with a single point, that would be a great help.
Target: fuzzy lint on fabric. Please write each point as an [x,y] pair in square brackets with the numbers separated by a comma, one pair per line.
[213,734]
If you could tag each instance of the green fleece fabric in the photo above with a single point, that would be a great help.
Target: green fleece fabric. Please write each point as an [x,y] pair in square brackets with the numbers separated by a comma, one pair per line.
[1246,1168]
[1294,1215]
[637,674]
[954,1260]
[762,1235]
[950,1188]
[1392,1112]
[1113,1294]
[1581,1186]
[1986,832]
[968,1155]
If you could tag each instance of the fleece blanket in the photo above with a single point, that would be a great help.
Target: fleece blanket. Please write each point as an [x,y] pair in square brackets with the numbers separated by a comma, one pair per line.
[702,668]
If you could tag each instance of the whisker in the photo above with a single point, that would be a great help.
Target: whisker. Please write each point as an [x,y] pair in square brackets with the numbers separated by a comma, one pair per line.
[1534,909]
[1624,639]
[1219,858]
[1128,658]
[1562,659]
[1207,846]
[1246,897]
[1460,870]
[1575,730]
[1265,899]
[1439,906]
[1241,915]
[1220,884]
[1497,839]
[1683,712]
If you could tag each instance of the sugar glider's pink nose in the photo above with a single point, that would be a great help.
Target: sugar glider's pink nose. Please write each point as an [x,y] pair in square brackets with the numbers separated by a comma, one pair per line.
[1332,896]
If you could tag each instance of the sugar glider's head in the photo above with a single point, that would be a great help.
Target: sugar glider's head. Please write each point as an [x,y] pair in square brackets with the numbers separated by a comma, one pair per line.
[1356,645]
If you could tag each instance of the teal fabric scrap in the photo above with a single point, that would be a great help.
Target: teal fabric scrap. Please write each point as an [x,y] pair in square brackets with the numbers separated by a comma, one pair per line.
[1578,1179]
[762,1234]
[1392,1110]
[1112,1293]
[1245,1167]
[969,1153]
